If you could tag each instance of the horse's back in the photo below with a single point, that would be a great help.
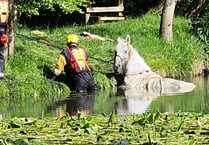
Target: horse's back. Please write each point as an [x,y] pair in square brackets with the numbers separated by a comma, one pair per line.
[155,84]
[173,86]
[149,81]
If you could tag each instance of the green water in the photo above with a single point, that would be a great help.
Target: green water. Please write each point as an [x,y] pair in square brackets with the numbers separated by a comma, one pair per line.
[108,101]
[196,101]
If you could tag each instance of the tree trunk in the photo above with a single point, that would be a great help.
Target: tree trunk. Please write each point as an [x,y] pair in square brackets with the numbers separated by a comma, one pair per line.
[167,20]
[195,9]
[11,28]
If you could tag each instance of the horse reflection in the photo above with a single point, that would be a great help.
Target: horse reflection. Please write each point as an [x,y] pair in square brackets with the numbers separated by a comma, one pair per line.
[76,103]
[136,101]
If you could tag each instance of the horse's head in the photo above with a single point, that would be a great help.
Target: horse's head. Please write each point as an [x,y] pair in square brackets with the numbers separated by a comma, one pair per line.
[122,54]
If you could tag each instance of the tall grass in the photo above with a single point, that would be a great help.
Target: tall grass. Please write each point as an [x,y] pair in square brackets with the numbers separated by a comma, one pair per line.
[33,63]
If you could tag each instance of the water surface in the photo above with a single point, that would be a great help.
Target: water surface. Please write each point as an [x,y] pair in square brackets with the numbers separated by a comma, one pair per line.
[109,101]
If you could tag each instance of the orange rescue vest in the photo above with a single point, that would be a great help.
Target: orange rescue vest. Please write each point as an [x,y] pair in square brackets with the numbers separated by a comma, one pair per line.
[78,59]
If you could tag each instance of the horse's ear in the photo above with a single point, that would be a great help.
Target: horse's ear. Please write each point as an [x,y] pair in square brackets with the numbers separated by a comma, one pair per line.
[128,39]
[119,39]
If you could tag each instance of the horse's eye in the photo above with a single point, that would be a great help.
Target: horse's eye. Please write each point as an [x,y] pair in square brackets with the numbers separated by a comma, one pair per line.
[126,52]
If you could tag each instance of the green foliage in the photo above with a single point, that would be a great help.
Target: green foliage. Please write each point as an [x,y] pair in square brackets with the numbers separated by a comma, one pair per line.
[148,128]
[201,29]
[200,26]
[103,81]
[147,119]
[31,7]
[182,6]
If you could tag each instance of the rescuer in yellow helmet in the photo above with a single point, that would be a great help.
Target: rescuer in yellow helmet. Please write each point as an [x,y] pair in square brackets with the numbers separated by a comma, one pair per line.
[74,62]
[72,38]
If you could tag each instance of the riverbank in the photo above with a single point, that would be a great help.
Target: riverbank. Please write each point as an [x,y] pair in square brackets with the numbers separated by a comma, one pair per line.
[29,71]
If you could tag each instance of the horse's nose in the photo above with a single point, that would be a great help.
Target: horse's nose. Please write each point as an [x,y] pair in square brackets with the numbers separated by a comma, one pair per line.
[116,68]
[117,64]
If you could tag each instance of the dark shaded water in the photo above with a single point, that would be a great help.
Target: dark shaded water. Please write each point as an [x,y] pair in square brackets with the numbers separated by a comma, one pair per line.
[108,101]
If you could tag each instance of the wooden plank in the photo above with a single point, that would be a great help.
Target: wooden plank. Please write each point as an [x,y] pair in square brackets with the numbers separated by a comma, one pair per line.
[104,9]
[106,18]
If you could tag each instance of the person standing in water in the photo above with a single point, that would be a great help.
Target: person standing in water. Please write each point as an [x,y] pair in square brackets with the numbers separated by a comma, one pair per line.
[74,62]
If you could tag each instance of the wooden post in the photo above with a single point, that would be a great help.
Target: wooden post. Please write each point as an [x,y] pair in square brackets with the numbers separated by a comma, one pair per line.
[120,4]
[87,16]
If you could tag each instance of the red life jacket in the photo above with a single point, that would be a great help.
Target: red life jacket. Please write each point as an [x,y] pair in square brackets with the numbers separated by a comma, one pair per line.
[3,39]
[78,59]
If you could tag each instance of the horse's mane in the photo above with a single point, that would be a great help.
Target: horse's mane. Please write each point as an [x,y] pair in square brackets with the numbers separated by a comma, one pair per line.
[136,63]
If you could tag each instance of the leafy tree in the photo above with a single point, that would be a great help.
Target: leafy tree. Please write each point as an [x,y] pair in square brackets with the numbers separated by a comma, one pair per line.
[32,7]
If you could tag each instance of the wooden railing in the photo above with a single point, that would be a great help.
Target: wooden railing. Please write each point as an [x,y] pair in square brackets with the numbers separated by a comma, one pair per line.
[105,13]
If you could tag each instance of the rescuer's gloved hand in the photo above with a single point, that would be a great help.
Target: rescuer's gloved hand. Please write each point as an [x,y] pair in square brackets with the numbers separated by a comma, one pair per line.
[57,72]
[54,78]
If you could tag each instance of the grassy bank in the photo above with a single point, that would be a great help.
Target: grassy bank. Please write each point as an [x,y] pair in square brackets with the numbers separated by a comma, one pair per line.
[29,71]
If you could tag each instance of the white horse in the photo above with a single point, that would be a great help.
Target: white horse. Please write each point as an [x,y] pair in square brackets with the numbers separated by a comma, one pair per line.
[139,74]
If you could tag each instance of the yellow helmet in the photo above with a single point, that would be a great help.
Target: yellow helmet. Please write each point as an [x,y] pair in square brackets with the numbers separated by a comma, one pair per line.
[72,38]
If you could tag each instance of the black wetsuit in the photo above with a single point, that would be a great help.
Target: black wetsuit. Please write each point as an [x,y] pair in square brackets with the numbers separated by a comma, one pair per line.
[2,65]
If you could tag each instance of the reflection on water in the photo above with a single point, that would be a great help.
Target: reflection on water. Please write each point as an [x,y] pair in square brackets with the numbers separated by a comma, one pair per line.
[75,103]
[122,102]
[132,106]
[196,101]
[136,101]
